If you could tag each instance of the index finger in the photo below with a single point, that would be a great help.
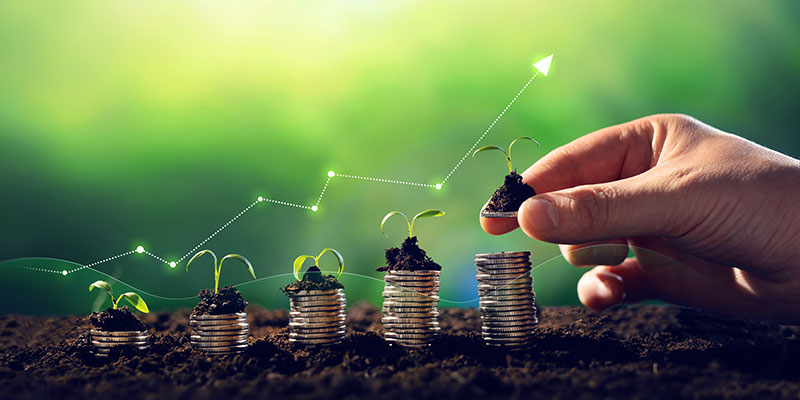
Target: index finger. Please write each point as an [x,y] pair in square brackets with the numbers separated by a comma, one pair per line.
[606,155]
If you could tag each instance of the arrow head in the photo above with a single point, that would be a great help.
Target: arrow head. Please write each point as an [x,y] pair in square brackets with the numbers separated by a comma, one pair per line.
[543,65]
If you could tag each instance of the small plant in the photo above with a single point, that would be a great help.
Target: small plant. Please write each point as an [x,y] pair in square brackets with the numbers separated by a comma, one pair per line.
[409,256]
[316,274]
[218,266]
[506,200]
[507,154]
[423,214]
[133,298]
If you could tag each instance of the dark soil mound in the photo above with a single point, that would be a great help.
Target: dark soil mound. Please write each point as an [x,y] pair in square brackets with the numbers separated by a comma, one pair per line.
[641,352]
[121,319]
[227,301]
[409,257]
[511,195]
[314,280]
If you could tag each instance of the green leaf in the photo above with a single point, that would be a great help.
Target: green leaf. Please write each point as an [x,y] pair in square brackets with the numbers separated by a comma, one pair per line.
[135,300]
[518,139]
[240,258]
[338,258]
[200,254]
[298,265]
[100,285]
[486,148]
[391,214]
[430,213]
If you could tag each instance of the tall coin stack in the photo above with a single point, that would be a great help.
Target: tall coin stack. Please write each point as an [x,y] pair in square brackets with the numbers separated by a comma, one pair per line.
[317,317]
[411,307]
[507,301]
[104,341]
[219,334]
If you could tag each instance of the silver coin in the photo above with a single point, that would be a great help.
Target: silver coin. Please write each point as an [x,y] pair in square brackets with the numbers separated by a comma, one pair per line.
[99,332]
[217,349]
[240,325]
[224,338]
[418,288]
[407,336]
[409,292]
[202,317]
[496,214]
[317,292]
[309,341]
[304,310]
[323,335]
[519,328]
[326,318]
[413,273]
[331,298]
[428,280]
[504,254]
[119,339]
[296,314]
[409,342]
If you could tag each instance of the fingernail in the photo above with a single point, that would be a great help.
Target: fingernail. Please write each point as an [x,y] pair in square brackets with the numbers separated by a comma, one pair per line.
[542,214]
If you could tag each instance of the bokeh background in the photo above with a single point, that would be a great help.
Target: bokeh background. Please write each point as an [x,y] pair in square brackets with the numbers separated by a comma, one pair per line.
[152,123]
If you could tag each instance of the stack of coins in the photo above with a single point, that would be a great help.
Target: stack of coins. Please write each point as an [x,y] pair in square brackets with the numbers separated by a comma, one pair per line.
[507,301]
[317,316]
[104,341]
[411,307]
[219,334]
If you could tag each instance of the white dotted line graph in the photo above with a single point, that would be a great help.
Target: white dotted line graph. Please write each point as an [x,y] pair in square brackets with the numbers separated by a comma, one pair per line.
[541,66]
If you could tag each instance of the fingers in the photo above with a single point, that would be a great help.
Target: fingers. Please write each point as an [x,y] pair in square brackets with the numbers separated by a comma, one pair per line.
[632,207]
[611,252]
[608,154]
[661,272]
[612,153]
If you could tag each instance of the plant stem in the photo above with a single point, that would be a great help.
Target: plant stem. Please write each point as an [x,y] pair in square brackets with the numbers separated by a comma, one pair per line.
[510,168]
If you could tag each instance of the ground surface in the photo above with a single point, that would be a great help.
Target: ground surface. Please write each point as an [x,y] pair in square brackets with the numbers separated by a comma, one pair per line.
[639,352]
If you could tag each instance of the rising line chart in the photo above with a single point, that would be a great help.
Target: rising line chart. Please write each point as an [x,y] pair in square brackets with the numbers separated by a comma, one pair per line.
[542,67]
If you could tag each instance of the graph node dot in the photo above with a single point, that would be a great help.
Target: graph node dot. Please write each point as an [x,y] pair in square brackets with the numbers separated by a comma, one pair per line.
[438,186]
[314,208]
[172,264]
[140,249]
[331,174]
[64,272]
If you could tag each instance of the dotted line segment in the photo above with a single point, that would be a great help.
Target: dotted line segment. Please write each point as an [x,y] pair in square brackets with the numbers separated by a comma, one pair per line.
[323,191]
[156,257]
[366,178]
[219,230]
[490,127]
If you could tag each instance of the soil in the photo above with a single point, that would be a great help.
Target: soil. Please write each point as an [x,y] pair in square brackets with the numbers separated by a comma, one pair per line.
[314,280]
[640,352]
[409,257]
[121,319]
[511,195]
[227,301]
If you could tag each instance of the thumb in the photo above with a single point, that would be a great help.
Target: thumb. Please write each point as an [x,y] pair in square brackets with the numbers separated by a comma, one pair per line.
[625,208]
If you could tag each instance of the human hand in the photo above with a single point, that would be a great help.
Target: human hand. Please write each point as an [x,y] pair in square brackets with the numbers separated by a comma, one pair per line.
[713,219]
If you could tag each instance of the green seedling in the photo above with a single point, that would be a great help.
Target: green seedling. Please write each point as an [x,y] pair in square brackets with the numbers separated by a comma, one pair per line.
[298,263]
[424,214]
[218,266]
[508,153]
[132,297]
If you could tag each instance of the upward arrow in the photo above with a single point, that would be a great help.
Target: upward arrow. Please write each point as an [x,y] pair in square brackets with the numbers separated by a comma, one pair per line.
[543,65]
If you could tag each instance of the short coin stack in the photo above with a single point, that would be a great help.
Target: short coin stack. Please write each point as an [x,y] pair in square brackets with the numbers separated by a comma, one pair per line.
[507,301]
[317,316]
[411,307]
[104,341]
[219,334]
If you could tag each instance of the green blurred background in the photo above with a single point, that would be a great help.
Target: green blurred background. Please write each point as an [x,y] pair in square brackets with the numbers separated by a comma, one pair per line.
[153,123]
